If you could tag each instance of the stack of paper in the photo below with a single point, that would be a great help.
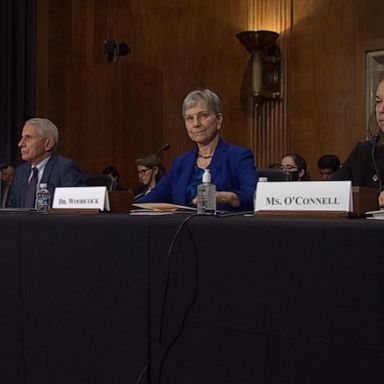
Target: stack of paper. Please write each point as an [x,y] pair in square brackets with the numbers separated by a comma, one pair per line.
[376,215]
[160,208]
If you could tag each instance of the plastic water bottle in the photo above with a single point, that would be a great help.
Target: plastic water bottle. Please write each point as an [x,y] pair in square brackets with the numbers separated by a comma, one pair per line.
[43,198]
[206,195]
[263,180]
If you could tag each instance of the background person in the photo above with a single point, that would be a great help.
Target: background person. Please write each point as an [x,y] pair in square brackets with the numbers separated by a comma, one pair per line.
[296,166]
[7,172]
[150,171]
[114,175]
[232,168]
[39,139]
[328,165]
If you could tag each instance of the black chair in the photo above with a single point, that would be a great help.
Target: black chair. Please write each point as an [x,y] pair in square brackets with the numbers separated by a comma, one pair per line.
[273,174]
[99,181]
[5,194]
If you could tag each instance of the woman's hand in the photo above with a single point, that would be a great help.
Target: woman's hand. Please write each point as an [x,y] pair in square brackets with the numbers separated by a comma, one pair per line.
[381,199]
[230,198]
[225,198]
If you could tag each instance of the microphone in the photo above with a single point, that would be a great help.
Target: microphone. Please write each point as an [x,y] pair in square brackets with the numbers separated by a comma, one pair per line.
[374,140]
[165,147]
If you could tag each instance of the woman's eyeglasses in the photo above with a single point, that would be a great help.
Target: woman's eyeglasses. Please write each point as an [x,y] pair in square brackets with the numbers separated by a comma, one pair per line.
[289,168]
[143,172]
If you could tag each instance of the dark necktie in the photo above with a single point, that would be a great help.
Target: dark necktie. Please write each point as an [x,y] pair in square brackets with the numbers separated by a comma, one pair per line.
[31,191]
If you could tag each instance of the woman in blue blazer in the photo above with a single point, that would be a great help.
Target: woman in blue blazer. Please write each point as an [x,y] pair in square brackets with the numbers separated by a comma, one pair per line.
[232,168]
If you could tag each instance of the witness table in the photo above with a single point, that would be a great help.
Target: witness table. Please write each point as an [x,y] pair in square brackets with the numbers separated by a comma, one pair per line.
[248,300]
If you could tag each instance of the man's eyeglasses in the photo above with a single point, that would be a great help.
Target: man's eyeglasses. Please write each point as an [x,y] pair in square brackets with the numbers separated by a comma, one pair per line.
[143,172]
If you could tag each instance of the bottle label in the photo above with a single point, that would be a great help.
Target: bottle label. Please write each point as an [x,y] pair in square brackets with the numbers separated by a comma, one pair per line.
[43,200]
[206,199]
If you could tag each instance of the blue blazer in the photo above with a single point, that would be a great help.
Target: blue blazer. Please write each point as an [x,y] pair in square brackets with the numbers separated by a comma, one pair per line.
[232,169]
[58,172]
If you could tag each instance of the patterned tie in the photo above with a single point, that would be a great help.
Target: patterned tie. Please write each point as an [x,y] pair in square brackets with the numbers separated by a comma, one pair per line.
[31,191]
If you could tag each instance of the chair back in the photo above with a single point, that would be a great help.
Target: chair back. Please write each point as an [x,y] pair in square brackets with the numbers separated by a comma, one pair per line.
[5,194]
[99,181]
[273,174]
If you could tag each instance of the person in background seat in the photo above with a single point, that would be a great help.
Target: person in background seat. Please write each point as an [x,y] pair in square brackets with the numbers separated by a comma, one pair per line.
[7,172]
[328,165]
[114,175]
[150,171]
[296,165]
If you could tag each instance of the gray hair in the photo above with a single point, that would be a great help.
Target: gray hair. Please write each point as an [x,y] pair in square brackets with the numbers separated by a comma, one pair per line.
[46,129]
[194,97]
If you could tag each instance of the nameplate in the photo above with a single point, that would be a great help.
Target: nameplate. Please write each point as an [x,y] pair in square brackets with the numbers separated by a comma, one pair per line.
[305,196]
[81,198]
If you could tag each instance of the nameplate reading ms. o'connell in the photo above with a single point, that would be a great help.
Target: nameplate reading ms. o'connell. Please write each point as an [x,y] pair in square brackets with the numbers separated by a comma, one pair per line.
[305,196]
[81,198]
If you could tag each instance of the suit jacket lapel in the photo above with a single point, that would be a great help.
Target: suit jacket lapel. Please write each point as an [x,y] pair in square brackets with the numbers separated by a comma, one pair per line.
[218,158]
[48,169]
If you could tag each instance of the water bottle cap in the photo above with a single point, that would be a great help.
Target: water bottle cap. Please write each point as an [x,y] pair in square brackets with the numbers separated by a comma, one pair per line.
[206,176]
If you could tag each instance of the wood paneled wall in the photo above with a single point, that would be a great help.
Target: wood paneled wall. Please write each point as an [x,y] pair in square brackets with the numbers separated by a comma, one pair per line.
[179,45]
[271,134]
[329,43]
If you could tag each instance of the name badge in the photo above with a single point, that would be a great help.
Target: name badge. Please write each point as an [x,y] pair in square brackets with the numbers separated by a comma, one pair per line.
[81,198]
[305,196]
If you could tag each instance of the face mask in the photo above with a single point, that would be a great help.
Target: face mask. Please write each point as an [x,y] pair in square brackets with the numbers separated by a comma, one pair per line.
[294,175]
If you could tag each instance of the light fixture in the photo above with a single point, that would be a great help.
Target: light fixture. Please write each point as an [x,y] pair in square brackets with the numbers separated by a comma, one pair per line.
[265,63]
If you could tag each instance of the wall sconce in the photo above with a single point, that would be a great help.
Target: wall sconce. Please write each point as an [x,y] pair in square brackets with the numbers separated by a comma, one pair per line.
[265,63]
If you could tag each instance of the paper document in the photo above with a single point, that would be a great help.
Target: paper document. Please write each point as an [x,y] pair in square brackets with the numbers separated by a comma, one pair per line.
[376,215]
[164,207]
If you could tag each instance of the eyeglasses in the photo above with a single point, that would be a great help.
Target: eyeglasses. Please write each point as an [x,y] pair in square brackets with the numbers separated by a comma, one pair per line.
[289,168]
[143,172]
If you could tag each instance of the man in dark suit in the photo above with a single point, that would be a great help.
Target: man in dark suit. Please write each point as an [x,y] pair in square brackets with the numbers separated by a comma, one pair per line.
[37,145]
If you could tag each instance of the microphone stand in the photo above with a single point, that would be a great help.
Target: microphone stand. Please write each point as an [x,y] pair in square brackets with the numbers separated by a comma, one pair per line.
[165,147]
[374,141]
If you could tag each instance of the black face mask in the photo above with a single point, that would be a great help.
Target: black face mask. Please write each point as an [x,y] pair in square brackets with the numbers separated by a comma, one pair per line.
[294,175]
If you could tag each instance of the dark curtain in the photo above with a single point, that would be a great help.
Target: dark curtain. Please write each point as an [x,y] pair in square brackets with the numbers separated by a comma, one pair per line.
[17,72]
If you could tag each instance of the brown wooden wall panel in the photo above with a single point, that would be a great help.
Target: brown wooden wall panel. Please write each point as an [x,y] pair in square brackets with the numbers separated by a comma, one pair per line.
[271,133]
[107,120]
[328,74]
[190,44]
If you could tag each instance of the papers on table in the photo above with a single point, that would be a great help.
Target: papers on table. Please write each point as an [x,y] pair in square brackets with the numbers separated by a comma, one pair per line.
[160,209]
[376,215]
[149,212]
